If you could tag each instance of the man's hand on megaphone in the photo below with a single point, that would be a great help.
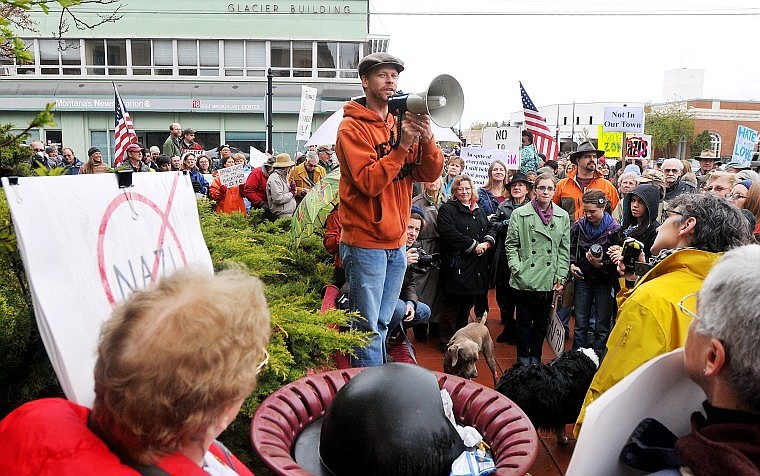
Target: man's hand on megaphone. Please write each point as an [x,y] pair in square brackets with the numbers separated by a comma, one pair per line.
[414,126]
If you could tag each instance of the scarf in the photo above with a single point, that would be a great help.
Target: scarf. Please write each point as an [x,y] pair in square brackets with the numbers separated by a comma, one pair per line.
[545,216]
[594,232]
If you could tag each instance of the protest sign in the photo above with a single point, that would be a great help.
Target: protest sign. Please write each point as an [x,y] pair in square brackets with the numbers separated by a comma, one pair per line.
[624,119]
[659,389]
[744,146]
[256,157]
[610,142]
[117,240]
[232,176]
[639,146]
[477,160]
[505,138]
[308,99]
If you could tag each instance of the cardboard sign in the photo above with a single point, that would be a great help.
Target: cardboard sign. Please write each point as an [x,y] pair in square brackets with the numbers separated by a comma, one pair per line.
[624,119]
[477,160]
[659,389]
[232,176]
[744,147]
[639,146]
[610,142]
[117,240]
[504,138]
[555,334]
[308,99]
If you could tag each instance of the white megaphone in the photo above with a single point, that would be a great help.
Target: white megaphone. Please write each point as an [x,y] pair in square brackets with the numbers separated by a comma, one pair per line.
[443,101]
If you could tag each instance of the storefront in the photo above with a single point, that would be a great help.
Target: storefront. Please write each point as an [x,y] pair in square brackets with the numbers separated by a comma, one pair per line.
[200,63]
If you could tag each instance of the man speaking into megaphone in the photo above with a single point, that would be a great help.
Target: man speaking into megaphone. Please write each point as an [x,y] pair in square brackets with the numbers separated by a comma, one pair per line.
[375,196]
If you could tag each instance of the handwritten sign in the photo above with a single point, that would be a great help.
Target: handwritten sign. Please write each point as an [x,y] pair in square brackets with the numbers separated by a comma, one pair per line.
[477,161]
[119,241]
[555,334]
[504,138]
[610,142]
[232,176]
[624,119]
[744,147]
[308,99]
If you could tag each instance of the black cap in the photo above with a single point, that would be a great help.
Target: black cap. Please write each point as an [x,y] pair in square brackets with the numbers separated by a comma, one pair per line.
[376,59]
[92,150]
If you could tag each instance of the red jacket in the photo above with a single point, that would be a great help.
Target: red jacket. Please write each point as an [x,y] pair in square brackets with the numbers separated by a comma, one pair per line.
[255,188]
[376,181]
[50,437]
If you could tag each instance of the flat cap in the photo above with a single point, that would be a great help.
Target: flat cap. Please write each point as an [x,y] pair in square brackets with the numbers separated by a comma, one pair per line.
[376,59]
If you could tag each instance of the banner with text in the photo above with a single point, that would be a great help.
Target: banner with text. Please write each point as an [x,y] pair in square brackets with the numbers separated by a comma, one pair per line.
[624,119]
[308,99]
[610,142]
[232,176]
[477,160]
[117,240]
[505,138]
[744,147]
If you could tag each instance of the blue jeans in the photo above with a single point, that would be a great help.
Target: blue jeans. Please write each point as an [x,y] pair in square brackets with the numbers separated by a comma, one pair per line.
[374,278]
[588,296]
[421,316]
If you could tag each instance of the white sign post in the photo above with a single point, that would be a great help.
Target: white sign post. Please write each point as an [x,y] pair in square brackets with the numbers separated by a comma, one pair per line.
[744,147]
[624,119]
[308,99]
[232,176]
[477,160]
[117,240]
[504,138]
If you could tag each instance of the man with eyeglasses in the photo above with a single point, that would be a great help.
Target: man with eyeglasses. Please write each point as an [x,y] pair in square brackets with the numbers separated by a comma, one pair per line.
[306,174]
[673,171]
[40,158]
[570,189]
[696,230]
[70,161]
[378,169]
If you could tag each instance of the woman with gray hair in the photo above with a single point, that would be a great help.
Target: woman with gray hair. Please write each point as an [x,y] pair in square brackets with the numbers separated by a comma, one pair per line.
[696,229]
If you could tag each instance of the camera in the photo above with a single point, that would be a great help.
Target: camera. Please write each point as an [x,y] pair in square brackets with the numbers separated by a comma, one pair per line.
[632,248]
[596,250]
[425,261]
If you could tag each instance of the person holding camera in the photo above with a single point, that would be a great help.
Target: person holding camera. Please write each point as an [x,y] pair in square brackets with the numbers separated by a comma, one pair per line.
[409,311]
[595,274]
[695,231]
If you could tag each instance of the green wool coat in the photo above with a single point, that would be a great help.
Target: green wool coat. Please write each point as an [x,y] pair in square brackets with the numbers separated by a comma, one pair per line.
[538,255]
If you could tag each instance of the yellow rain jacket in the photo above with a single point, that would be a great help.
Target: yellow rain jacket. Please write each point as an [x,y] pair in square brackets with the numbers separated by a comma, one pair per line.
[649,321]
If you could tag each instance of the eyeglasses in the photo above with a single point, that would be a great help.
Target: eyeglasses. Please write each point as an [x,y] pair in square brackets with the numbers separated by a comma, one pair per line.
[666,214]
[735,196]
[717,188]
[67,155]
[464,189]
[682,305]
[263,363]
[545,189]
[670,171]
[39,150]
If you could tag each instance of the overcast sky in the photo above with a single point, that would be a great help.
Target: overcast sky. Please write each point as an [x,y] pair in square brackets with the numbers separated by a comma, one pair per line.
[565,51]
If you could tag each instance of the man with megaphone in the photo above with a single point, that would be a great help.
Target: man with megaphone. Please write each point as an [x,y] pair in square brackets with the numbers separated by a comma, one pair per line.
[379,163]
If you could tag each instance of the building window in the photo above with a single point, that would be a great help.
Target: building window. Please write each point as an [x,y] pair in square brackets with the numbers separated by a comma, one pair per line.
[160,57]
[564,121]
[715,143]
[590,120]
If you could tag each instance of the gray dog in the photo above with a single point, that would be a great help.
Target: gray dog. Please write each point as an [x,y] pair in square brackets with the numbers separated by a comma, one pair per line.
[462,351]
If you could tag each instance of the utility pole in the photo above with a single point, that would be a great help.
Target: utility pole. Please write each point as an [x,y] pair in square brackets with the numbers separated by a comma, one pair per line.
[270,147]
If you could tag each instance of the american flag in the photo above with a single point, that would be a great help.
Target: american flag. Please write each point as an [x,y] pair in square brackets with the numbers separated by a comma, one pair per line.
[124,131]
[543,139]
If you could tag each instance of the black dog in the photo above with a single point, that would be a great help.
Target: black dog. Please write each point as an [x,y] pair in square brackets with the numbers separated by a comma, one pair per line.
[551,394]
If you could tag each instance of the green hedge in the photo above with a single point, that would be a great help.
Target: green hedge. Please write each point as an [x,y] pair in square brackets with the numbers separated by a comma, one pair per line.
[301,336]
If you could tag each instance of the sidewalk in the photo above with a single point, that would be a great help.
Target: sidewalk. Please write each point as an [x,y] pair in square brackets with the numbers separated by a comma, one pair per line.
[552,459]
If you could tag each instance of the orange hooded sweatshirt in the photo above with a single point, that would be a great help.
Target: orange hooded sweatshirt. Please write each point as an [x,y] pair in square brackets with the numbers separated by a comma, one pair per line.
[375,180]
